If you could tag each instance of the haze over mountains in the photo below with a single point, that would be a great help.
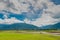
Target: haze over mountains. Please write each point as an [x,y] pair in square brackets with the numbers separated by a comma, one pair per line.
[33,12]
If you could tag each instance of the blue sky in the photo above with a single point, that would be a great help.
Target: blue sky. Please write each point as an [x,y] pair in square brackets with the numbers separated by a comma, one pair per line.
[57,2]
[36,12]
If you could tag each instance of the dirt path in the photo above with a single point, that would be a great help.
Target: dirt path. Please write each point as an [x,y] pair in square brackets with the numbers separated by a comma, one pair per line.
[55,34]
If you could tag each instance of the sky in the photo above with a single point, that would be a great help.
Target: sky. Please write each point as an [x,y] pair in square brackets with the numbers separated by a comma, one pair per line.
[35,12]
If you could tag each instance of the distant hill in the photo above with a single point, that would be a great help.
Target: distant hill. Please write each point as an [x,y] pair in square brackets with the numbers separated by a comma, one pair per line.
[55,26]
[17,26]
[24,26]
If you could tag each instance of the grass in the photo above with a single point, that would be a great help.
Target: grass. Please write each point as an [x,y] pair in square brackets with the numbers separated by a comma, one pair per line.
[26,36]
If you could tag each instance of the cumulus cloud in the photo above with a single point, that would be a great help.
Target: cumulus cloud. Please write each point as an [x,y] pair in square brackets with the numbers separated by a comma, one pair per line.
[50,14]
[13,6]
[44,20]
[10,21]
[37,12]
[54,11]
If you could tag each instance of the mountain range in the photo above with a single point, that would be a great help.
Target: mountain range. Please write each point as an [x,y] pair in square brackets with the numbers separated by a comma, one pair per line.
[24,26]
[55,26]
[17,26]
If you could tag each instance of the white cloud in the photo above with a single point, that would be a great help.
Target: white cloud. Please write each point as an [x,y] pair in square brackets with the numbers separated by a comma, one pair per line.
[13,6]
[10,21]
[17,6]
[44,20]
[50,11]
[2,6]
[54,11]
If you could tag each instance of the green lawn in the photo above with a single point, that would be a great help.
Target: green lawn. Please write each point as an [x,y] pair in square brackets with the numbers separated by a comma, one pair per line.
[27,36]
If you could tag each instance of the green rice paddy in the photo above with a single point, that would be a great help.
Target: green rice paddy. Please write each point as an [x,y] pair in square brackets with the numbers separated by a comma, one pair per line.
[26,36]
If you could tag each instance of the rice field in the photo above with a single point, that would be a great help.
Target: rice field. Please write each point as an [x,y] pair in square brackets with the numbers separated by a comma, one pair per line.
[26,35]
